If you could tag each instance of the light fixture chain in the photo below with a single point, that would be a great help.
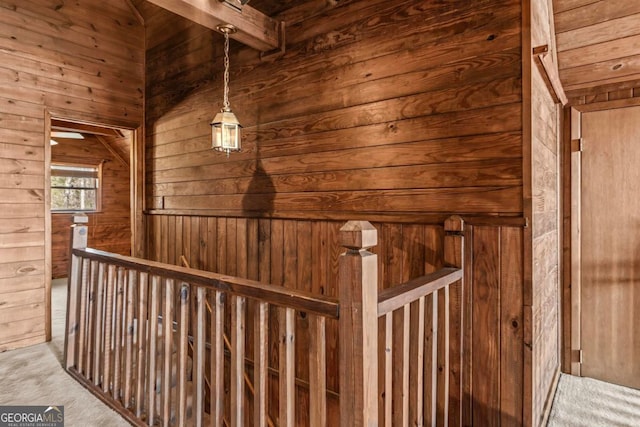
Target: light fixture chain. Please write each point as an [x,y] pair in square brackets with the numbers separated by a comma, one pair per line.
[226,70]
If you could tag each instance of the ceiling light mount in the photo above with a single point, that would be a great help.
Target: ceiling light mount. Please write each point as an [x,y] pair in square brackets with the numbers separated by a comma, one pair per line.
[227,29]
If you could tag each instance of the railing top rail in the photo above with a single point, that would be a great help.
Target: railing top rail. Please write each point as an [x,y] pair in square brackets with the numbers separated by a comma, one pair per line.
[277,295]
[391,299]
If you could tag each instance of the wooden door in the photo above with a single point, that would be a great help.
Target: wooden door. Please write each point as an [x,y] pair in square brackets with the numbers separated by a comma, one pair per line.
[610,246]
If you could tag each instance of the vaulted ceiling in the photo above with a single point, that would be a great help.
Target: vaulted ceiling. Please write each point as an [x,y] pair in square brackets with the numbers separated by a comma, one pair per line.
[598,43]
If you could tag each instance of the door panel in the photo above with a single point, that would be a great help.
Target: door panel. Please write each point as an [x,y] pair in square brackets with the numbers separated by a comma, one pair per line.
[610,246]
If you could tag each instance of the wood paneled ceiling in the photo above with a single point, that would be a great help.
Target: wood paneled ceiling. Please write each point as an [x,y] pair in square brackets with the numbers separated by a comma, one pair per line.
[598,43]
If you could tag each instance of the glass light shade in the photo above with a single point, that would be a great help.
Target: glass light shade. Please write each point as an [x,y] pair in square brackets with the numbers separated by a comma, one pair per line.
[226,131]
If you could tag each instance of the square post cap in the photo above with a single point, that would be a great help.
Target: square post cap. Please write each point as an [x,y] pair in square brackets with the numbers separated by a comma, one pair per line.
[358,235]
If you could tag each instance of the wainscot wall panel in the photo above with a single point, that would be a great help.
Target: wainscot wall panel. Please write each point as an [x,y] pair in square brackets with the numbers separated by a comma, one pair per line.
[303,254]
[74,60]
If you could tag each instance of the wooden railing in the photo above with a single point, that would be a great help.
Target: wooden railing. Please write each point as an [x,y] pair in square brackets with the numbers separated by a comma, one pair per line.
[149,340]
[414,377]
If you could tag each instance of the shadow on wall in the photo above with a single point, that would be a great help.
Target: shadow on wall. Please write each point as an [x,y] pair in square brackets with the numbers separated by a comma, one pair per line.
[164,69]
[260,193]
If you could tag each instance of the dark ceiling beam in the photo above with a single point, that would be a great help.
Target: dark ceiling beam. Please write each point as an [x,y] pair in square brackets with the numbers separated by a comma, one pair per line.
[254,28]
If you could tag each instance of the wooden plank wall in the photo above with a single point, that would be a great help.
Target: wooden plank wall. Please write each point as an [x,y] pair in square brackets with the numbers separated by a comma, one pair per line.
[597,44]
[399,112]
[110,228]
[77,61]
[350,119]
[542,299]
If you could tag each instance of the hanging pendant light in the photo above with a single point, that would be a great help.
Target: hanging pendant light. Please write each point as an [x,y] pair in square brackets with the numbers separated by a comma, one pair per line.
[225,127]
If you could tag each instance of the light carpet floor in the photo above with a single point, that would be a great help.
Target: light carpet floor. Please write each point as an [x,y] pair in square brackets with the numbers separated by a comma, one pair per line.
[34,376]
[581,401]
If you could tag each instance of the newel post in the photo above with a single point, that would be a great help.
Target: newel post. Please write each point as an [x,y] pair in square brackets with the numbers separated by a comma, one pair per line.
[358,289]
[454,228]
[78,240]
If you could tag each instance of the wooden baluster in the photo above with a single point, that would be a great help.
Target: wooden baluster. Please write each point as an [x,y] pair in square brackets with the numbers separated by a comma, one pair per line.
[78,241]
[99,319]
[131,283]
[117,345]
[443,357]
[434,359]
[108,328]
[420,365]
[91,322]
[358,282]
[153,345]
[454,257]
[317,371]
[217,360]
[183,336]
[287,371]
[261,363]
[142,344]
[238,307]
[84,285]
[75,282]
[404,381]
[200,354]
[167,338]
[388,370]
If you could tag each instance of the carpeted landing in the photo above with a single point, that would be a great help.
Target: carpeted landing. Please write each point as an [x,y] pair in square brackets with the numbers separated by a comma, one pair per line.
[34,376]
[585,402]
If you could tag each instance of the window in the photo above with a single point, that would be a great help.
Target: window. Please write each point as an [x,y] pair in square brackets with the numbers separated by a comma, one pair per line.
[75,187]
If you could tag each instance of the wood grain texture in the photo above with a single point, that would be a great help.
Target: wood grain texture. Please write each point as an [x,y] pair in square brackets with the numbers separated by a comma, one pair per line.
[352,121]
[254,28]
[486,321]
[418,246]
[80,61]
[608,271]
[305,152]
[542,298]
[597,44]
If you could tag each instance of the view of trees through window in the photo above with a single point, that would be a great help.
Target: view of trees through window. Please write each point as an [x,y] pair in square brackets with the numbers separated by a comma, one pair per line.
[74,188]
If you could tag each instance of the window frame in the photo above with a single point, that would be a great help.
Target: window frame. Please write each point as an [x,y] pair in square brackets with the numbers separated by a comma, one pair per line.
[98,189]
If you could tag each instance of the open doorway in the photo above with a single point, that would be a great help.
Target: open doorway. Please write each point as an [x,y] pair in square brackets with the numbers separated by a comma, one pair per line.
[93,170]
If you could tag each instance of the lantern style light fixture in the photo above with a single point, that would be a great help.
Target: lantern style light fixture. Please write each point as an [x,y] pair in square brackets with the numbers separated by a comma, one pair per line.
[225,127]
